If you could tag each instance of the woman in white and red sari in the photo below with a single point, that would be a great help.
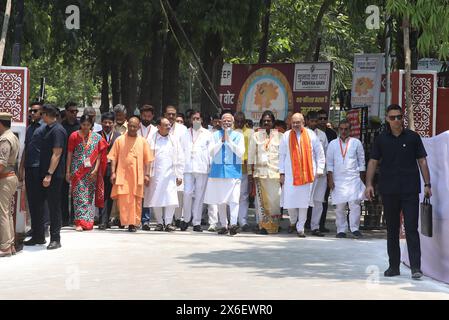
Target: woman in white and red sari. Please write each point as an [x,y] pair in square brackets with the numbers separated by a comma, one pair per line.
[86,166]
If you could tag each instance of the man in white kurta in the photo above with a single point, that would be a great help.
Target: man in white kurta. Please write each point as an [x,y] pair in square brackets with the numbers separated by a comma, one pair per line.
[223,186]
[146,130]
[166,175]
[195,144]
[320,183]
[177,131]
[212,209]
[240,126]
[296,198]
[345,170]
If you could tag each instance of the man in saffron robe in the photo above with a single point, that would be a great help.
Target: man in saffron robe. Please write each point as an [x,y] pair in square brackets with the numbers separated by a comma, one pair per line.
[301,161]
[130,164]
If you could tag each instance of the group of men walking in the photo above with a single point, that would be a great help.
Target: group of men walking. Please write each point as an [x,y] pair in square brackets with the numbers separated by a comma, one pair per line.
[171,171]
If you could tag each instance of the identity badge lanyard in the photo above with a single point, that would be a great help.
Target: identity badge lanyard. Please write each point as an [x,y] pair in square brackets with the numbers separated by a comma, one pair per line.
[343,153]
[194,141]
[86,146]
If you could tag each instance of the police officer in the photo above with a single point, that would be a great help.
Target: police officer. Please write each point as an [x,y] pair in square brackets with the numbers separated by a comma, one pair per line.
[9,149]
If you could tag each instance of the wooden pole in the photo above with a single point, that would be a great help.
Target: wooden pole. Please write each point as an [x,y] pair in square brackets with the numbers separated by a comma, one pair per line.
[5,30]
[408,74]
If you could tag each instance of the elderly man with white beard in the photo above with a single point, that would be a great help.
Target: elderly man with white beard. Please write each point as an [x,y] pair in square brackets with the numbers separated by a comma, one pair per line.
[223,186]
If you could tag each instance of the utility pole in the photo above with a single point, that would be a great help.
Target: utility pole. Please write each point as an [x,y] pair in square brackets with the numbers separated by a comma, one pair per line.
[17,48]
[408,73]
[5,30]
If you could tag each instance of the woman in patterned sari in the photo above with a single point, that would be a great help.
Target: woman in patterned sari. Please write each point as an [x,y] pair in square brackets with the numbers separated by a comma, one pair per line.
[86,165]
[263,173]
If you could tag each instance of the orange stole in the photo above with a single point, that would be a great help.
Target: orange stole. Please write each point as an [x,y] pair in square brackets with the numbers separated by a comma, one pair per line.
[301,156]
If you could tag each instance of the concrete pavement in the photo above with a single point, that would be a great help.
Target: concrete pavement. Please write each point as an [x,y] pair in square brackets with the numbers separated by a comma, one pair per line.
[117,264]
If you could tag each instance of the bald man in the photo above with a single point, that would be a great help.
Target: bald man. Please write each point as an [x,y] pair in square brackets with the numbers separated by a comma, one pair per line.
[301,161]
[223,186]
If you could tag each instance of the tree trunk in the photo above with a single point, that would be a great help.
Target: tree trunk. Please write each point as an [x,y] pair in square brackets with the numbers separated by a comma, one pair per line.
[16,50]
[128,83]
[316,29]
[170,89]
[156,70]
[408,74]
[263,51]
[145,86]
[104,107]
[212,59]
[5,30]
[115,82]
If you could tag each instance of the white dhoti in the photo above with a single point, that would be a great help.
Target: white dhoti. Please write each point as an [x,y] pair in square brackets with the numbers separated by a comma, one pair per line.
[194,189]
[224,192]
[220,190]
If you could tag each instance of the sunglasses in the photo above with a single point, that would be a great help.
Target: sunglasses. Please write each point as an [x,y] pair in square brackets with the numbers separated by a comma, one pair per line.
[322,118]
[33,110]
[398,117]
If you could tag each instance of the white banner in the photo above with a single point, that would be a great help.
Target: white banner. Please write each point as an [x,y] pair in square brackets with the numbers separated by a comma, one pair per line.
[435,250]
[366,82]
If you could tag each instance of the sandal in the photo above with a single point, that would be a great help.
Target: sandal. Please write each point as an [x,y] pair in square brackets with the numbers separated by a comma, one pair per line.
[5,253]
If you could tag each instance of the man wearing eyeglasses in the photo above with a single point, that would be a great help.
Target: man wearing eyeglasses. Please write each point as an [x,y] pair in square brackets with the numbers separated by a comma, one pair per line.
[400,151]
[70,124]
[29,164]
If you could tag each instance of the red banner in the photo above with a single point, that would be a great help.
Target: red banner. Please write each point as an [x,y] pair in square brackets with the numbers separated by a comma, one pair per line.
[282,88]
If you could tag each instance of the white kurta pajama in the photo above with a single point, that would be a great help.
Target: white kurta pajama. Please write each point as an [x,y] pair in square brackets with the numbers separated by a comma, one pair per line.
[166,167]
[319,187]
[349,188]
[195,144]
[148,133]
[225,191]
[297,198]
[178,131]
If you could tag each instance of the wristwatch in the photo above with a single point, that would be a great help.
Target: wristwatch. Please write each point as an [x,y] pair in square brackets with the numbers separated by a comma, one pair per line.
[428,185]
[49,174]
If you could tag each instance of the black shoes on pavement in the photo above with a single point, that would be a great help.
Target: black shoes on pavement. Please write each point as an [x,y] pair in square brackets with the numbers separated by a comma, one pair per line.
[33,242]
[54,245]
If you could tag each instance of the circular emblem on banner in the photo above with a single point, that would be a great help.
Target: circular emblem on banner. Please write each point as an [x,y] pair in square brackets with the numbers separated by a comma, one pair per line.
[265,89]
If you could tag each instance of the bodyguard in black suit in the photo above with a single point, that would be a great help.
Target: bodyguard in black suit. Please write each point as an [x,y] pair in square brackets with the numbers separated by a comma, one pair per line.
[400,151]
[51,175]
[108,134]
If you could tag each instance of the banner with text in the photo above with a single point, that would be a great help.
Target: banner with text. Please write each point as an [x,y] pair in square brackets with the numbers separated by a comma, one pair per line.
[366,82]
[282,88]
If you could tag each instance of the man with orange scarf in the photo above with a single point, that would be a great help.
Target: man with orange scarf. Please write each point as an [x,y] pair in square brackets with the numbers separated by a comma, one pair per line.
[301,160]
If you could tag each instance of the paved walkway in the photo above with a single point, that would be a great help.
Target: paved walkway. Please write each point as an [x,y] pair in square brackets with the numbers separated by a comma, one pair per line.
[117,264]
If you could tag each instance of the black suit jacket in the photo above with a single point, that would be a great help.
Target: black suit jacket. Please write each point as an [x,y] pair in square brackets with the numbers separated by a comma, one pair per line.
[114,137]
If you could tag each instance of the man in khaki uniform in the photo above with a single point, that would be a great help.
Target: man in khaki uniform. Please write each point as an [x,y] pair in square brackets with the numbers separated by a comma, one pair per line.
[9,149]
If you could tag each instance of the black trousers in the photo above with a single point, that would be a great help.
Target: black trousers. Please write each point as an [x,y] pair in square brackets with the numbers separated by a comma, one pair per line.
[325,205]
[409,204]
[105,212]
[67,218]
[52,195]
[33,185]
